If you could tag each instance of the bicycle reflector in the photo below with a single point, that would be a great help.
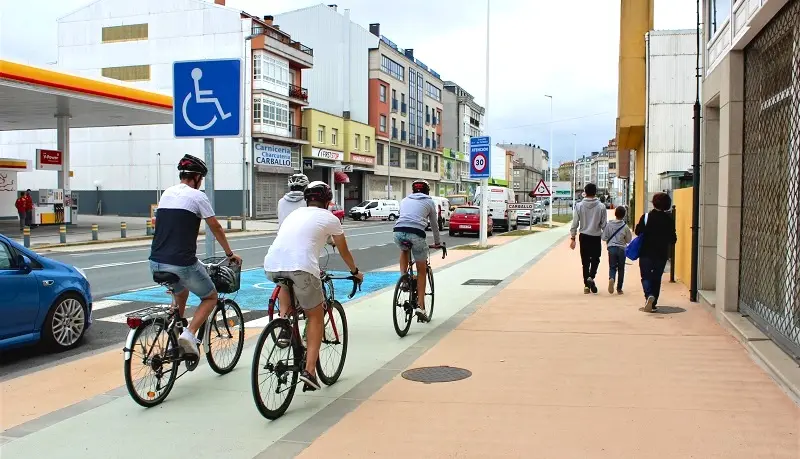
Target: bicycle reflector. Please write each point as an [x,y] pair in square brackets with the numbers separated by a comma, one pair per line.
[134,322]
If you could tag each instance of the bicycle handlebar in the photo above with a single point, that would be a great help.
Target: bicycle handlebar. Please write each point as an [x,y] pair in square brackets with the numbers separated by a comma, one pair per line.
[356,283]
[440,246]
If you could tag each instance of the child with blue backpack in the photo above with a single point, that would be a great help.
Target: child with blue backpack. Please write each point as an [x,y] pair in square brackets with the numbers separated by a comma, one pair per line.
[617,235]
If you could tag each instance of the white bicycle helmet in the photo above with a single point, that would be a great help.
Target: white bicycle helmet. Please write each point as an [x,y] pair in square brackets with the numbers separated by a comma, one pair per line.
[298,182]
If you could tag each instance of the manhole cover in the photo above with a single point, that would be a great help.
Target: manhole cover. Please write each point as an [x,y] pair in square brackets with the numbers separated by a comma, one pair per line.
[489,282]
[438,374]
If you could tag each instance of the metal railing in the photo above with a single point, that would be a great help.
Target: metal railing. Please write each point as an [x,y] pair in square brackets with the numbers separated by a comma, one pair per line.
[298,132]
[394,105]
[403,108]
[403,136]
[283,38]
[394,133]
[427,143]
[298,93]
[427,119]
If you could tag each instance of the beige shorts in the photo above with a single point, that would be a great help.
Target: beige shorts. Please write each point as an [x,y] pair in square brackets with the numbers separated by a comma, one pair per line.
[307,288]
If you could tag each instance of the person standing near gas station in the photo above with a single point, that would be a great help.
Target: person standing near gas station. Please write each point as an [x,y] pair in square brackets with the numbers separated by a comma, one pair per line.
[22,210]
[28,209]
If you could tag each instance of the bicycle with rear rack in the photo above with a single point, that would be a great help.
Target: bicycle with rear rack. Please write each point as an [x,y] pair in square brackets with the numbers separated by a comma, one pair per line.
[221,333]
[282,362]
[404,309]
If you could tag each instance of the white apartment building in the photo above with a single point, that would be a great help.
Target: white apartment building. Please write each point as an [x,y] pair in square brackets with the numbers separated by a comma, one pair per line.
[463,117]
[137,43]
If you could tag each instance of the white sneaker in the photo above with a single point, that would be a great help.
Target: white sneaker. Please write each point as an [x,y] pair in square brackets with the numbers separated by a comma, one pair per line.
[188,343]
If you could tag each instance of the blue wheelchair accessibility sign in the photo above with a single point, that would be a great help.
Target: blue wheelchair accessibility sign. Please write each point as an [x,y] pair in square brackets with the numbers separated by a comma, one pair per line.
[207,98]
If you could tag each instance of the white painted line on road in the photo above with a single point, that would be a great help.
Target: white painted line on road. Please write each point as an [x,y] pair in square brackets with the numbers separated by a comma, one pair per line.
[112,265]
[104,304]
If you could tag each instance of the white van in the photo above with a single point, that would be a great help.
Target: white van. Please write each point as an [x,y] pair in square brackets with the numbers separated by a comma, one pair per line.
[443,205]
[499,199]
[385,209]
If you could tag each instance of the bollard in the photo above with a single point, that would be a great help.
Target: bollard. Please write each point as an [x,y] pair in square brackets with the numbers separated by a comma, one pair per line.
[229,222]
[62,234]
[149,227]
[123,230]
[26,236]
[672,254]
[95,236]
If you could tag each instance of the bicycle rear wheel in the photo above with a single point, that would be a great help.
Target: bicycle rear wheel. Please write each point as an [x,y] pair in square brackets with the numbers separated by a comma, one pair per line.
[158,362]
[275,370]
[429,288]
[334,344]
[225,337]
[403,309]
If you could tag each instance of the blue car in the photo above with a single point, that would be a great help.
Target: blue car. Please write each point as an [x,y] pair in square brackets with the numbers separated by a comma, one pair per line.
[41,299]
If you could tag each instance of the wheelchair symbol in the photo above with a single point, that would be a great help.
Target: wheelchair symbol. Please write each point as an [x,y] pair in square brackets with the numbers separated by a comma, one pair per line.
[200,98]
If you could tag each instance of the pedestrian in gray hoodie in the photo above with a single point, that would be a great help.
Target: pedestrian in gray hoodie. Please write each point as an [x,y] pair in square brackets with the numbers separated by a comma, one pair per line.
[617,235]
[294,198]
[590,218]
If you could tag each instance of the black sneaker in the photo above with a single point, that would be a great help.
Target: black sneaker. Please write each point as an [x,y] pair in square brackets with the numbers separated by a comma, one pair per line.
[592,286]
[311,383]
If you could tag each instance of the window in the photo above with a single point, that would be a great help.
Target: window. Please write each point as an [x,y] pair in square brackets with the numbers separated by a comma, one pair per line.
[321,134]
[426,162]
[334,136]
[719,11]
[402,97]
[392,68]
[411,160]
[296,159]
[432,91]
[612,165]
[394,95]
[383,93]
[272,70]
[516,172]
[358,141]
[6,261]
[436,164]
[394,157]
[272,112]
[379,154]
[383,123]
[124,33]
[367,144]
[128,73]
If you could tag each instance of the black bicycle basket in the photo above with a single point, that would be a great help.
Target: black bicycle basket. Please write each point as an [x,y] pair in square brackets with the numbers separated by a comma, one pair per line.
[223,285]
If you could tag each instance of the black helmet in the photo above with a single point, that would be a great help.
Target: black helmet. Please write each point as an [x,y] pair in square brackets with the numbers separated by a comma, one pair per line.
[190,163]
[319,192]
[420,186]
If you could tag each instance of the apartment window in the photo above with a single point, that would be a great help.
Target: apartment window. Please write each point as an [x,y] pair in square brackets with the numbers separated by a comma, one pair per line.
[128,73]
[271,70]
[402,97]
[426,162]
[392,68]
[719,11]
[358,142]
[403,126]
[394,95]
[516,172]
[612,165]
[272,112]
[257,71]
[383,93]
[125,33]
[379,154]
[432,91]
[321,134]
[367,144]
[296,159]
[334,136]
[436,164]
[383,123]
[411,160]
[394,157]
[439,140]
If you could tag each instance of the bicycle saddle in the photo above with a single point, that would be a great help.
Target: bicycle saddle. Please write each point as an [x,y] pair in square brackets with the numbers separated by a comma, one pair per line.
[407,244]
[283,280]
[163,277]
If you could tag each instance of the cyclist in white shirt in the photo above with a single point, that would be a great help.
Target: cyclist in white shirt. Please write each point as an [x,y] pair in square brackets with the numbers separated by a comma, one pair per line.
[295,255]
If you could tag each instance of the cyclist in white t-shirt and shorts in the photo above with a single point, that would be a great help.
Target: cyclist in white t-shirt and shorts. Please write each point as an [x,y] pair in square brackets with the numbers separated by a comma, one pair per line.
[295,255]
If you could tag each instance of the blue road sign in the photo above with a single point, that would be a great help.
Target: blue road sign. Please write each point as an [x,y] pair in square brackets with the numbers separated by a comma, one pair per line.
[480,164]
[207,98]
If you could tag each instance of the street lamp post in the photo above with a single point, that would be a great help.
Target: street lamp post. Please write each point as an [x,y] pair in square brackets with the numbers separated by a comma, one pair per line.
[484,221]
[552,161]
[245,76]
[574,167]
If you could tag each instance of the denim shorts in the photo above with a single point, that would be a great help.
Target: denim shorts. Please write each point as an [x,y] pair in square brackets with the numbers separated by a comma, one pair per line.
[419,245]
[194,277]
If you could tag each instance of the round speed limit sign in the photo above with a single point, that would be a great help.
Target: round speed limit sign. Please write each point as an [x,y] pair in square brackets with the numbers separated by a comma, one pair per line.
[479,162]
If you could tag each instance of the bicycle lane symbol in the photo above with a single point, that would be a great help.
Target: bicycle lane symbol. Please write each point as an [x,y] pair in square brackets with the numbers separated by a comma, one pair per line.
[200,96]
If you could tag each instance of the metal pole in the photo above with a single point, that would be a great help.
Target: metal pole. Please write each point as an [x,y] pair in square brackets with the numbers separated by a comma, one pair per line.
[245,122]
[209,152]
[389,160]
[551,162]
[574,168]
[484,182]
[158,177]
[696,173]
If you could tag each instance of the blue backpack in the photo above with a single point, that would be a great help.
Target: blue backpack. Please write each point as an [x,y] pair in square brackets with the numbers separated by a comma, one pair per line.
[633,249]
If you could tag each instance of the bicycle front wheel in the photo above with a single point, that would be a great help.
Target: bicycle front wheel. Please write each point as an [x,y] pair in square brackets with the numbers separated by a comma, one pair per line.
[152,369]
[402,307]
[334,344]
[225,337]
[275,370]
[429,293]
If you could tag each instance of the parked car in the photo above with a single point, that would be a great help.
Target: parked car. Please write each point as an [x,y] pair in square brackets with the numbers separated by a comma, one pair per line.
[467,219]
[528,217]
[385,209]
[338,212]
[41,299]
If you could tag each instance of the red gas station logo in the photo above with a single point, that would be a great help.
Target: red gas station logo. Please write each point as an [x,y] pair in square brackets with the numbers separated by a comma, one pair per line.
[51,160]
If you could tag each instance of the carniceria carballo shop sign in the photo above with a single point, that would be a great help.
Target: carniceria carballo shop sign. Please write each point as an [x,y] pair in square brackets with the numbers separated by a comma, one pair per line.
[273,158]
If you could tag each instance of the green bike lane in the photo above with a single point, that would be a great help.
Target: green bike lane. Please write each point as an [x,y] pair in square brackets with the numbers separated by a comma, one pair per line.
[207,415]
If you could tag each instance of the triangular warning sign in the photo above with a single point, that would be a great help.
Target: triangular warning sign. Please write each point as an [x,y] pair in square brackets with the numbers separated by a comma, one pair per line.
[541,189]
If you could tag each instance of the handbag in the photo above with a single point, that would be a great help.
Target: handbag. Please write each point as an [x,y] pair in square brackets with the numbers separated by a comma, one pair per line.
[633,249]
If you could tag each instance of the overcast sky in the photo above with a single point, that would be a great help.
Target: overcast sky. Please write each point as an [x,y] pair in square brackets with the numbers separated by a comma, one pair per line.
[567,48]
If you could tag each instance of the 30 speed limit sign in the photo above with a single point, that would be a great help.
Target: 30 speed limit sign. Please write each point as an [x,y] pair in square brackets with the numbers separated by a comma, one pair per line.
[479,162]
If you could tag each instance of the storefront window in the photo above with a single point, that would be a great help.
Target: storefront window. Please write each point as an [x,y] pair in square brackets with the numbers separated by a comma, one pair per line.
[411,160]
[394,157]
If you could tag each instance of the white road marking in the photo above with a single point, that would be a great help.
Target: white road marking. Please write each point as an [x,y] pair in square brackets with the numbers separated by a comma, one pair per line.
[103,304]
[113,265]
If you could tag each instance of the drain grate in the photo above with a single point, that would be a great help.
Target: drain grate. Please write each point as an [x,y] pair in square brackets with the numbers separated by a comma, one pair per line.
[438,374]
[489,282]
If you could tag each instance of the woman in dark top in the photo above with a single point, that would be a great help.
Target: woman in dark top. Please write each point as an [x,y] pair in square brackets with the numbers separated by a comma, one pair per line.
[659,233]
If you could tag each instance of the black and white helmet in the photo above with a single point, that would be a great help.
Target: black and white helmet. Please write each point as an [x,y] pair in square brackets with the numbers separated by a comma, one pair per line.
[192,164]
[420,186]
[225,276]
[298,182]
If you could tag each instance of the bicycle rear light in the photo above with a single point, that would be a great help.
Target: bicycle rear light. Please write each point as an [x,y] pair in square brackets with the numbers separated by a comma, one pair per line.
[134,322]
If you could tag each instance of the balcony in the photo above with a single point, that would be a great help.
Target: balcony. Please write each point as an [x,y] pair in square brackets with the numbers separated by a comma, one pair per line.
[292,132]
[394,133]
[427,119]
[435,121]
[403,136]
[296,92]
[403,108]
[427,143]
[282,43]
[435,144]
[394,105]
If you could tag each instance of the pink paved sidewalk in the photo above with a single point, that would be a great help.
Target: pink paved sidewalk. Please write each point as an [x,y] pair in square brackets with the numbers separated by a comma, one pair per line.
[560,374]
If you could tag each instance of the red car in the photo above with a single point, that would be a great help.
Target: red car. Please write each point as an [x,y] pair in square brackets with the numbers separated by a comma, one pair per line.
[466,219]
[337,211]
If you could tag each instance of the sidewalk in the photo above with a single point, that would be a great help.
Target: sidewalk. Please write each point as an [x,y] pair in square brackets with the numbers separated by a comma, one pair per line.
[559,374]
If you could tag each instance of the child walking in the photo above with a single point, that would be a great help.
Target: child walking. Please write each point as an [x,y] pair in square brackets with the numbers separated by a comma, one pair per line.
[617,235]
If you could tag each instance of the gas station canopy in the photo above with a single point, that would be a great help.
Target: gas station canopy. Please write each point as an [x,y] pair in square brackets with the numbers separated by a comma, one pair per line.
[32,97]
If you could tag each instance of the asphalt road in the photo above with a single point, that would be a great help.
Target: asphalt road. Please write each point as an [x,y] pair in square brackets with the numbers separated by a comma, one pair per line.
[121,270]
